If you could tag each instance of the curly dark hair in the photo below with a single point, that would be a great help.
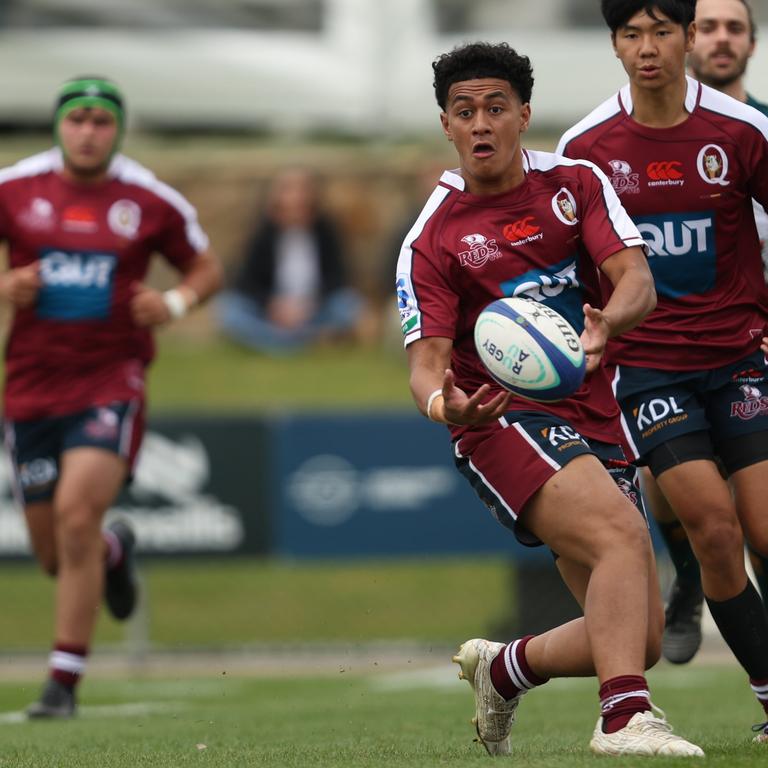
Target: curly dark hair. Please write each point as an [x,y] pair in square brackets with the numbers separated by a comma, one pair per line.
[477,60]
[618,12]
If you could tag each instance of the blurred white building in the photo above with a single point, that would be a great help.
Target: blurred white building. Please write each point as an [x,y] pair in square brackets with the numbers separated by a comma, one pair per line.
[296,66]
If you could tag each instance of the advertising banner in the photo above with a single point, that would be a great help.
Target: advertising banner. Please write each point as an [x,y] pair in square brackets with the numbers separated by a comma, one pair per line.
[199,488]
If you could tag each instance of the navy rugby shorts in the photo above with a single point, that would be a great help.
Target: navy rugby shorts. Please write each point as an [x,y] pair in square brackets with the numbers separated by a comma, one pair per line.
[659,406]
[507,468]
[36,446]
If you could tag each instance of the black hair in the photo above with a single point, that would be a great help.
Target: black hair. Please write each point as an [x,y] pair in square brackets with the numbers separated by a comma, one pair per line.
[618,12]
[478,60]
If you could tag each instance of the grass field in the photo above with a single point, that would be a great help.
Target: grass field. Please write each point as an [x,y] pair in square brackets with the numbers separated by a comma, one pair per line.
[217,376]
[392,720]
[241,602]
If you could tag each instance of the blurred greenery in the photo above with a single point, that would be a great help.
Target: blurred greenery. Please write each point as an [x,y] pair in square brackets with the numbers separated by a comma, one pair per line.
[218,376]
[217,603]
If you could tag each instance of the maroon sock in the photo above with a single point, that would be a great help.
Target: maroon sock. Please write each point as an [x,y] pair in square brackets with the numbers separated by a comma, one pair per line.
[760,687]
[67,663]
[114,555]
[510,673]
[621,698]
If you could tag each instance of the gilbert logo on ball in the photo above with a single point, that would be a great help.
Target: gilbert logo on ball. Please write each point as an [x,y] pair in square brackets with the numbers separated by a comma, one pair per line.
[530,349]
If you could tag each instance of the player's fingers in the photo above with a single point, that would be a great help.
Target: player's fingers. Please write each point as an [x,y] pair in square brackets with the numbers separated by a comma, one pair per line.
[477,398]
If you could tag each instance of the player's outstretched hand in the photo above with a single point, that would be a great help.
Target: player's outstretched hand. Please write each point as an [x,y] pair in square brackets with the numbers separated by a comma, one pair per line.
[462,409]
[595,336]
[21,285]
[148,308]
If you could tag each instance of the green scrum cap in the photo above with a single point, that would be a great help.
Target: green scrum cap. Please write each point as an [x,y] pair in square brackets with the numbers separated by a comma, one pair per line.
[90,92]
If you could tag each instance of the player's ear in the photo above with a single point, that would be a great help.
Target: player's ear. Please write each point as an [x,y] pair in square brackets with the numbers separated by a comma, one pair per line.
[446,127]
[525,117]
[613,43]
[690,37]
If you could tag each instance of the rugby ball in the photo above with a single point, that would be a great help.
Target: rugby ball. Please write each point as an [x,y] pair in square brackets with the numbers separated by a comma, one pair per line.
[530,349]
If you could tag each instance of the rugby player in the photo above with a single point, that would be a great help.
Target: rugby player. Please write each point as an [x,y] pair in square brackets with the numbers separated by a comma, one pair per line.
[497,227]
[81,222]
[691,379]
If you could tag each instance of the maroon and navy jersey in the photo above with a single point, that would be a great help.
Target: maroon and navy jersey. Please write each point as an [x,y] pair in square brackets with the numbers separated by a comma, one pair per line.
[689,190]
[543,240]
[77,346]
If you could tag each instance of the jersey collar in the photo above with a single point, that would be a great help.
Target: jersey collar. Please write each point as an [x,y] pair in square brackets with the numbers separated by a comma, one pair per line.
[692,96]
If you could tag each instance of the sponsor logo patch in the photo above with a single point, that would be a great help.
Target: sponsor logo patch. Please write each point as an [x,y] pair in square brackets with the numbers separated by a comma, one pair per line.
[666,173]
[76,285]
[562,437]
[657,413]
[410,317]
[79,218]
[523,231]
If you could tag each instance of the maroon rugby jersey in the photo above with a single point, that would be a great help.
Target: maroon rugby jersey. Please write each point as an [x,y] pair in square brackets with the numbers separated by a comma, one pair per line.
[689,190]
[77,345]
[542,240]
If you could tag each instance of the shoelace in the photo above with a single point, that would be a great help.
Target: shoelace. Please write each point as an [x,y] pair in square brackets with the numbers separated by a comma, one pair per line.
[760,727]
[658,723]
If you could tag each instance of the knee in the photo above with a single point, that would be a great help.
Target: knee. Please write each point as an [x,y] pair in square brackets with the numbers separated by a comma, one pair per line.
[626,536]
[79,532]
[717,541]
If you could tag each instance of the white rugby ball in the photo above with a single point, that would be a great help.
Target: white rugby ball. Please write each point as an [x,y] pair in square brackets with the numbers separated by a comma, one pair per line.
[530,349]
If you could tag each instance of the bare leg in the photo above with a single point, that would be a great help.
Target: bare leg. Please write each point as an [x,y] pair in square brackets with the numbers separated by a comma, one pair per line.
[90,480]
[609,540]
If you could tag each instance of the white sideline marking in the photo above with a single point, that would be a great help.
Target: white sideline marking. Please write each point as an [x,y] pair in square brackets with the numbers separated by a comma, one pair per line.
[131,709]
[436,677]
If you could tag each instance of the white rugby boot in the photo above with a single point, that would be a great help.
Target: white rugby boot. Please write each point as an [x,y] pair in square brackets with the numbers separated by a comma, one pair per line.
[494,715]
[645,734]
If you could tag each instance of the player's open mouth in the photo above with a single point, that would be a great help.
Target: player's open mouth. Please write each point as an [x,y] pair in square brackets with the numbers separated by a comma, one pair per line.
[482,150]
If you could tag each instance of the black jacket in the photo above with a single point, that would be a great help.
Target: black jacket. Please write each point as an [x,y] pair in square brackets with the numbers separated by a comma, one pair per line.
[256,278]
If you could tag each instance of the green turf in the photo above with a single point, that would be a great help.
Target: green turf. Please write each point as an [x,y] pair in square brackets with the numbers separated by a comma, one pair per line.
[240,601]
[345,721]
[219,376]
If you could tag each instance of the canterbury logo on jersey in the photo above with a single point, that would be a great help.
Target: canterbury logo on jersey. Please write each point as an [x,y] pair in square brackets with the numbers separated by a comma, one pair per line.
[665,171]
[521,229]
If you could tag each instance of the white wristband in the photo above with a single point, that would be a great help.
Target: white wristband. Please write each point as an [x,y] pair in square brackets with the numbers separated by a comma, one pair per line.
[176,303]
[430,401]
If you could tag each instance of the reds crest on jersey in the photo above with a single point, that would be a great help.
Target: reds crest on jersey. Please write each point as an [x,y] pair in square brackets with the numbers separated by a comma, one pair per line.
[481,250]
[623,179]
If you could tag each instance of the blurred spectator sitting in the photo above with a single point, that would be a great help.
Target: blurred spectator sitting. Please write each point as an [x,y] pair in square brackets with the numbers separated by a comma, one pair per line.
[291,289]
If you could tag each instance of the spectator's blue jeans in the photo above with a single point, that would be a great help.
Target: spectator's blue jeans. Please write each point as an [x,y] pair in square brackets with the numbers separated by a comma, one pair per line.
[244,320]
